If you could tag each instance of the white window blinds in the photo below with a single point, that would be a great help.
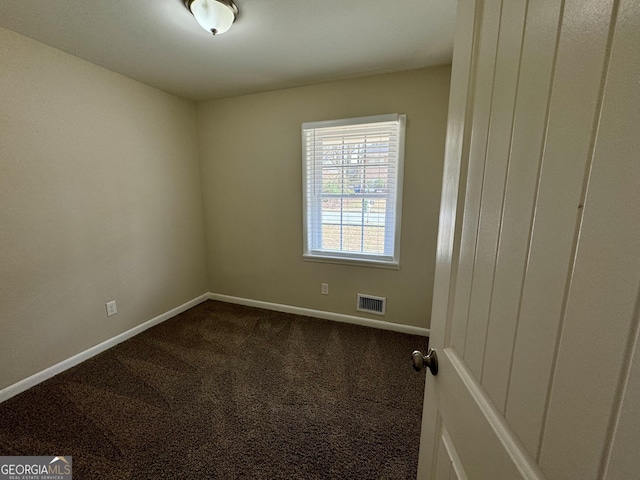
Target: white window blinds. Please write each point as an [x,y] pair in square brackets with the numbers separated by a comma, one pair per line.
[352,174]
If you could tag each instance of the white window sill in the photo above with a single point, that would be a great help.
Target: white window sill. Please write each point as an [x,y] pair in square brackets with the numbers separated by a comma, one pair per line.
[352,261]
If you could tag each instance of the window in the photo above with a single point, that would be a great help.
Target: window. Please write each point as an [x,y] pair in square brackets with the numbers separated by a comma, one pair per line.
[352,179]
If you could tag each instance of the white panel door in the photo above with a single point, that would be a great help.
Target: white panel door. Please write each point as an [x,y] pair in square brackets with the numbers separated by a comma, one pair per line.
[536,301]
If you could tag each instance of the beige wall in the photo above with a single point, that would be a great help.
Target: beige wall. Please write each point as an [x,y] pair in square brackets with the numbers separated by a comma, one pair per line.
[250,151]
[99,199]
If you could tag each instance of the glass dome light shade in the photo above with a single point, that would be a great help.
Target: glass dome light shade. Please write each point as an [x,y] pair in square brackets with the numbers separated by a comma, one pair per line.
[213,15]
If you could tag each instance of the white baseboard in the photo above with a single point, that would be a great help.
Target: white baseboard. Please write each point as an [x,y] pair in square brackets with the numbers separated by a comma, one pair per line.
[19,387]
[337,317]
[22,385]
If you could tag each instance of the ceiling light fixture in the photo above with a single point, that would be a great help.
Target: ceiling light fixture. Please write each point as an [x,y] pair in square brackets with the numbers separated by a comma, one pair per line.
[215,16]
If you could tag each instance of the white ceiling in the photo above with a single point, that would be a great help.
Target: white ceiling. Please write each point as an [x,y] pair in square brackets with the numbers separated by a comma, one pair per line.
[273,44]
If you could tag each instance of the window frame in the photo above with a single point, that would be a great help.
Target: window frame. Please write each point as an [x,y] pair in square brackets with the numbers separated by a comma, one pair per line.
[354,258]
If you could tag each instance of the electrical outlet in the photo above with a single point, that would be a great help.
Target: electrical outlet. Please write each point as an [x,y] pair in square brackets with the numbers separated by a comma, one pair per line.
[324,288]
[112,309]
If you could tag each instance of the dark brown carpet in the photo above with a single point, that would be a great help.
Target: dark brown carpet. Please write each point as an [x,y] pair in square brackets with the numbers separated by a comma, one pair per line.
[230,392]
